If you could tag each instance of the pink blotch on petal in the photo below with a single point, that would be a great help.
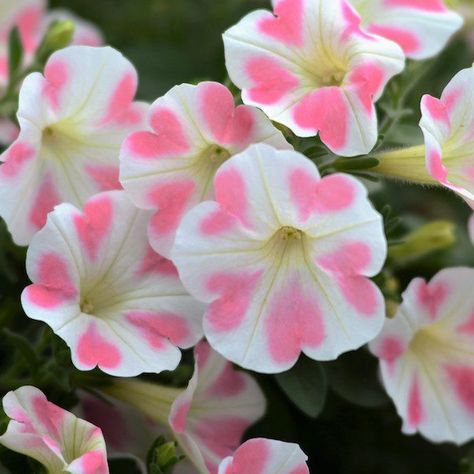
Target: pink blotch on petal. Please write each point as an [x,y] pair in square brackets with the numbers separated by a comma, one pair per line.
[436,109]
[94,224]
[217,222]
[202,351]
[436,167]
[171,201]
[17,156]
[287,25]
[303,191]
[28,24]
[93,350]
[56,75]
[303,469]
[468,327]
[231,193]
[46,198]
[154,263]
[415,407]
[105,177]
[326,111]
[294,322]
[352,20]
[391,349]
[94,463]
[425,5]
[235,292]
[350,258]
[272,81]
[167,125]
[334,193]
[229,125]
[368,80]
[431,296]
[121,97]
[407,40]
[361,293]
[157,327]
[179,417]
[229,383]
[49,415]
[462,380]
[54,284]
[253,454]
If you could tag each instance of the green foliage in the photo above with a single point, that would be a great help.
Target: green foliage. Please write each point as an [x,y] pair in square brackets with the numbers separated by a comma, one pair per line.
[162,456]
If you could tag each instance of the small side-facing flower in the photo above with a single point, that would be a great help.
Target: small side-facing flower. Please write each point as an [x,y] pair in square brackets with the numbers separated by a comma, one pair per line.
[448,128]
[53,436]
[427,357]
[72,120]
[310,67]
[101,288]
[265,456]
[282,257]
[208,418]
[421,27]
[170,168]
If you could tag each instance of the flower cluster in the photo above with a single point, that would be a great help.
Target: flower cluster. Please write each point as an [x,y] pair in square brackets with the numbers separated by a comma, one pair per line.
[152,226]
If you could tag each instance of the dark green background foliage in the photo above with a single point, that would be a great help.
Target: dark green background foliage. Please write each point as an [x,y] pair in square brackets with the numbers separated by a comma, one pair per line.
[345,422]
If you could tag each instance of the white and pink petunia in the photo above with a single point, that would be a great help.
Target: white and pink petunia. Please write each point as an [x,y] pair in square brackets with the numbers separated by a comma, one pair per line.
[448,128]
[208,418]
[426,356]
[73,120]
[98,284]
[421,27]
[56,438]
[170,167]
[310,67]
[282,257]
[265,456]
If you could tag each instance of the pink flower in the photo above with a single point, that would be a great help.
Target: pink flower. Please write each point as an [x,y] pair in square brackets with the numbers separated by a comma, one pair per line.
[427,358]
[51,435]
[421,27]
[101,288]
[73,120]
[193,130]
[265,456]
[310,67]
[448,127]
[208,418]
[283,257]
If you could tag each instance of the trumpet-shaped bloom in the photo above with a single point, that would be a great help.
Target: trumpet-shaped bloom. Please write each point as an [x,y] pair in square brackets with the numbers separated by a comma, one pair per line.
[448,127]
[210,416]
[310,67]
[194,129]
[427,357]
[265,456]
[72,120]
[53,436]
[421,27]
[101,288]
[282,257]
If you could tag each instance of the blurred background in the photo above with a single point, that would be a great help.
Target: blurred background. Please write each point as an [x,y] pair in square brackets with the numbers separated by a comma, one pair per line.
[357,431]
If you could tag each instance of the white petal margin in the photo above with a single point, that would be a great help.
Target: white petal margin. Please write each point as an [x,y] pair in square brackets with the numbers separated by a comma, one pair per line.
[210,417]
[265,456]
[56,438]
[448,127]
[421,27]
[169,167]
[72,122]
[100,287]
[427,357]
[283,257]
[310,67]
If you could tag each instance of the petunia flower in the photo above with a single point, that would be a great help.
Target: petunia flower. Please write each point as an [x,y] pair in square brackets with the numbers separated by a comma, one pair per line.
[170,167]
[73,120]
[210,416]
[282,258]
[421,27]
[427,358]
[56,438]
[265,456]
[310,67]
[101,288]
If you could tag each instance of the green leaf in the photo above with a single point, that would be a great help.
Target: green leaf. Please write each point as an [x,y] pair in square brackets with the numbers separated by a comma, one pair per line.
[353,376]
[162,456]
[305,385]
[23,346]
[466,466]
[15,53]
